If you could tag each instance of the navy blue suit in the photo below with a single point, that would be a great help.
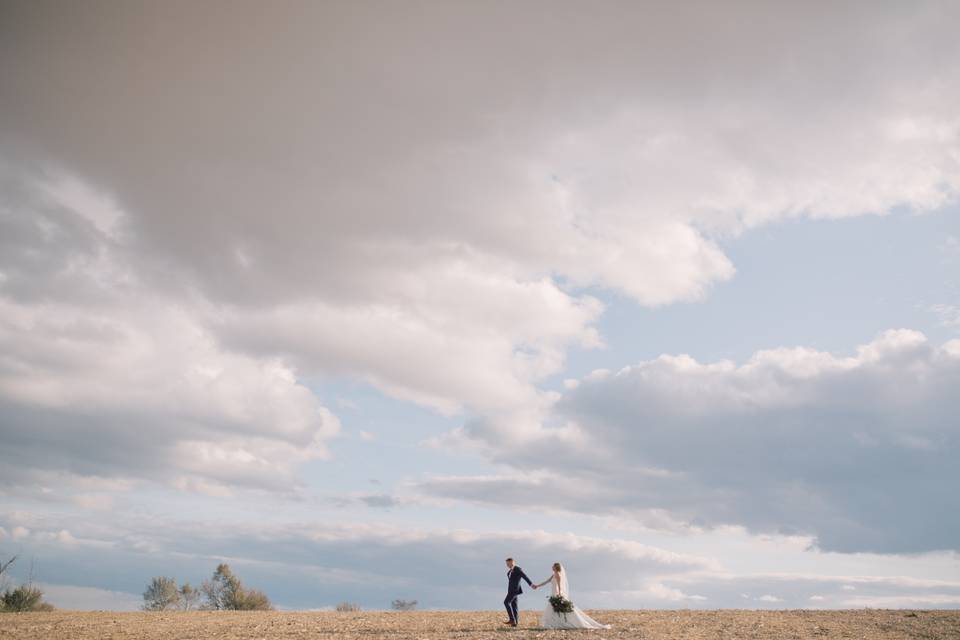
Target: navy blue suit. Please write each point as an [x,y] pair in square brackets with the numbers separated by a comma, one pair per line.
[514,576]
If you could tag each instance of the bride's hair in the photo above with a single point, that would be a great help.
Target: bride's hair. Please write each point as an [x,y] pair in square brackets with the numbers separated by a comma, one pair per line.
[557,567]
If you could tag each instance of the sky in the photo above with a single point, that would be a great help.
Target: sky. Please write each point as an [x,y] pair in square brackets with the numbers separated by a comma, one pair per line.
[362,298]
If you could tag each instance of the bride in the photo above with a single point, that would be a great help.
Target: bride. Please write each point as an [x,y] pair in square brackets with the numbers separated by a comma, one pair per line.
[575,619]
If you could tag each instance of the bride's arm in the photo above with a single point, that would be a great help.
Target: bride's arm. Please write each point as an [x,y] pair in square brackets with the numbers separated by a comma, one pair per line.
[548,581]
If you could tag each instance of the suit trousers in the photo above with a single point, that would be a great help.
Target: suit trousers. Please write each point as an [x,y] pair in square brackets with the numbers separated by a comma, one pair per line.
[510,602]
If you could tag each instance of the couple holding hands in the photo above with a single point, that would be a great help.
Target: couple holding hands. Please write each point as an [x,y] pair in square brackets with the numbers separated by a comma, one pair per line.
[560,613]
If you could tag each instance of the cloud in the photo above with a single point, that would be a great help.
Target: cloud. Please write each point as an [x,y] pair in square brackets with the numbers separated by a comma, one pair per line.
[797,590]
[616,145]
[948,314]
[89,598]
[374,500]
[950,246]
[855,450]
[205,206]
[315,564]
[905,602]
[660,591]
[428,224]
[93,501]
[107,374]
[105,377]
[488,336]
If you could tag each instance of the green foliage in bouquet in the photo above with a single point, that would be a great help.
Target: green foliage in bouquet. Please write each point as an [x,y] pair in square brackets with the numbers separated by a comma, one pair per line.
[561,604]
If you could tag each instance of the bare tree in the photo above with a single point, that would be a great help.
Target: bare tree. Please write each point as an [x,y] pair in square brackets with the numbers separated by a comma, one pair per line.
[6,565]
[4,574]
[189,597]
[347,607]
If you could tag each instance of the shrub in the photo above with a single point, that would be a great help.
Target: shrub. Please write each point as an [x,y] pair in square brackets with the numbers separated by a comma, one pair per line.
[404,605]
[347,607]
[26,597]
[251,600]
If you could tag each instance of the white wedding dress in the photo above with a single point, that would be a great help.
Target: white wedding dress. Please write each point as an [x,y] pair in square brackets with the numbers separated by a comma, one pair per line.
[576,619]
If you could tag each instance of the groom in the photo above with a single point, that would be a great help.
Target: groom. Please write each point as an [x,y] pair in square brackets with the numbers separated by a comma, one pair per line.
[514,575]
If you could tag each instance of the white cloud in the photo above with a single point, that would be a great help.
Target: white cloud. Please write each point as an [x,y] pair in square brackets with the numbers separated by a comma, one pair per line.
[69,192]
[94,501]
[488,337]
[949,314]
[413,198]
[79,598]
[795,590]
[931,601]
[950,246]
[428,225]
[62,538]
[663,592]
[793,440]
[102,376]
[311,564]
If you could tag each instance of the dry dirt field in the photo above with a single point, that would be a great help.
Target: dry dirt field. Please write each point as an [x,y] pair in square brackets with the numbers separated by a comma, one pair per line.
[483,625]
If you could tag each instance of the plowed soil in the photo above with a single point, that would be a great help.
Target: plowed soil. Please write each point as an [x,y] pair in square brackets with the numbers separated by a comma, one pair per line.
[869,624]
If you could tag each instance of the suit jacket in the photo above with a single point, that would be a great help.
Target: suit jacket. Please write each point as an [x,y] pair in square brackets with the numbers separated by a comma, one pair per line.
[513,580]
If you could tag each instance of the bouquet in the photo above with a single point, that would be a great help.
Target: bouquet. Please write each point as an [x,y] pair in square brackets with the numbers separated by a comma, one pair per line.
[561,605]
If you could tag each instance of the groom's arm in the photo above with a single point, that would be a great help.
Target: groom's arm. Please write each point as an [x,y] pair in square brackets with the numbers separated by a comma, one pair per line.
[524,576]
